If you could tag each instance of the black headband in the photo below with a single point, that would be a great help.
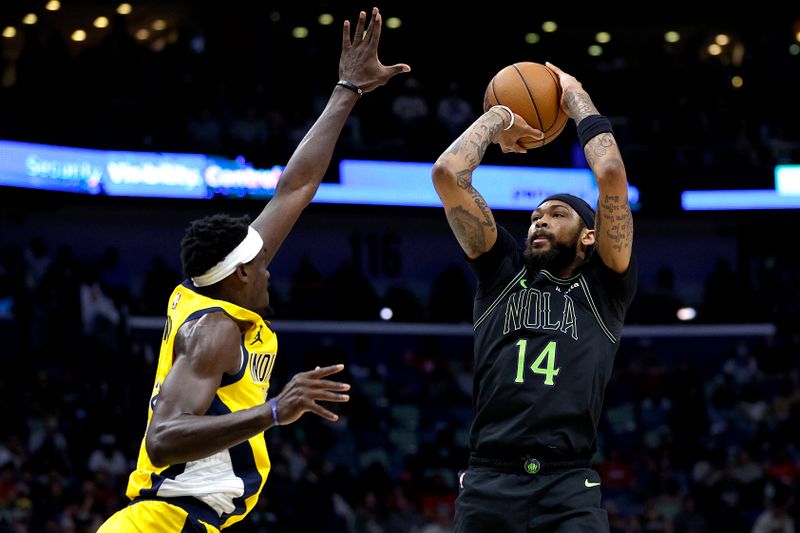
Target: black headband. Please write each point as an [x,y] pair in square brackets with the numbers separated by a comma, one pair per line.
[580,206]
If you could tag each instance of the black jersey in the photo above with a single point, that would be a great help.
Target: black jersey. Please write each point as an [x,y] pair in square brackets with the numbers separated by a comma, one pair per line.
[544,350]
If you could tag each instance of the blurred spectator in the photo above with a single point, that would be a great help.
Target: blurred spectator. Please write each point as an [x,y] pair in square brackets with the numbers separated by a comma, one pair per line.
[688,520]
[98,310]
[37,261]
[410,108]
[783,149]
[782,467]
[742,367]
[454,111]
[410,111]
[776,518]
[114,276]
[48,447]
[108,457]
[89,512]
[204,132]
[12,452]
[616,474]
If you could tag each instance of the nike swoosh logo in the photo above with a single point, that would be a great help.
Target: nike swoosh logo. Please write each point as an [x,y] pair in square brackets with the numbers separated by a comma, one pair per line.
[589,484]
[522,282]
[461,479]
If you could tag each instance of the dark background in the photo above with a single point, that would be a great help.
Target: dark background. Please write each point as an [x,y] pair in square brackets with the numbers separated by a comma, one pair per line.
[698,432]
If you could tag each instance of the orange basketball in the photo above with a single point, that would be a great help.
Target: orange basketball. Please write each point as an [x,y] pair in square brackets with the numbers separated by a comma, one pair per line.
[532,91]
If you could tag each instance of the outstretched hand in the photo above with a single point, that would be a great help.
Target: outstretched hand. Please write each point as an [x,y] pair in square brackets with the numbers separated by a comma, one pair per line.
[301,394]
[359,63]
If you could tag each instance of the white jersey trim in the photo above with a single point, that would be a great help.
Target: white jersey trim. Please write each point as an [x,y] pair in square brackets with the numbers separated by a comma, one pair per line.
[210,480]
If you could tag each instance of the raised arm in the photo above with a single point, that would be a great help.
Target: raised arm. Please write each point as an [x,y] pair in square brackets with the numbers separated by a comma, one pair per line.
[360,67]
[613,222]
[469,217]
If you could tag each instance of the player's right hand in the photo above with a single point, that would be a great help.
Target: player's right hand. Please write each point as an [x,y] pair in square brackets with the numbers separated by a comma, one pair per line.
[520,130]
[301,394]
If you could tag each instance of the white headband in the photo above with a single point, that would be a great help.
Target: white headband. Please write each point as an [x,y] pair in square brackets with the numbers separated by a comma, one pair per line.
[243,253]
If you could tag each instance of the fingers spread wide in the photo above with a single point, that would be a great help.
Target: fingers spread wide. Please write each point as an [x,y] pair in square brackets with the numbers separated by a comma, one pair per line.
[324,413]
[318,373]
[375,27]
[359,36]
[346,43]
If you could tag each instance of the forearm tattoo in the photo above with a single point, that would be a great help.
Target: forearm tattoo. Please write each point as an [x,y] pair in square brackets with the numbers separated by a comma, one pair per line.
[579,105]
[615,223]
[599,147]
[468,229]
[472,144]
[466,154]
[464,181]
[467,226]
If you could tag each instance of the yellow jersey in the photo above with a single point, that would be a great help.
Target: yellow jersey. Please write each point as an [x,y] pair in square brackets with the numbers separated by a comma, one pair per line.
[228,482]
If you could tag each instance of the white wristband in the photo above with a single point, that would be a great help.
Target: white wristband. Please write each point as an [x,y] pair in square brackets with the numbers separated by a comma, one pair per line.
[507,110]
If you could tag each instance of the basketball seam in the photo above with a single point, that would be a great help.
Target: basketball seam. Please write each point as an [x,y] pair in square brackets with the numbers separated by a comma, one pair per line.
[496,99]
[558,97]
[530,95]
[551,134]
[548,138]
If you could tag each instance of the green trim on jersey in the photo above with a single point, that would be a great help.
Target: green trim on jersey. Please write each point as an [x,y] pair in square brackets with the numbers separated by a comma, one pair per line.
[585,288]
[560,281]
[502,295]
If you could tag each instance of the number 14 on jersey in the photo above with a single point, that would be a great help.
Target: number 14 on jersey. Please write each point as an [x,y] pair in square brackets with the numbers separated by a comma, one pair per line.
[544,364]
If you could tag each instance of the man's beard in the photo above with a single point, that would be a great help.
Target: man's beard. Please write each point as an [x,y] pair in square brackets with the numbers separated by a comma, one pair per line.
[558,258]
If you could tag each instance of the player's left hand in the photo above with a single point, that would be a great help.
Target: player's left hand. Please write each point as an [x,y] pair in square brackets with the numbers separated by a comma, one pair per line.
[359,63]
[305,389]
[569,85]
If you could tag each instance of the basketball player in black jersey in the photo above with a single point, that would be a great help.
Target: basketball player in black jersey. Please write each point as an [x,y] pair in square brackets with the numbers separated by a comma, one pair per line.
[547,322]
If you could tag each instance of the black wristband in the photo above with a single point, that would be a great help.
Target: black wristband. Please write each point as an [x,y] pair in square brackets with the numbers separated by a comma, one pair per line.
[592,126]
[353,87]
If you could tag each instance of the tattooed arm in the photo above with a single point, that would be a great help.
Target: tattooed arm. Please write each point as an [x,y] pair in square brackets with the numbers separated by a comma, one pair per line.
[469,217]
[613,221]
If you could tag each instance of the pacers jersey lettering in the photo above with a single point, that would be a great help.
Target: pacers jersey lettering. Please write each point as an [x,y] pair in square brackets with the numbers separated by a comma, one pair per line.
[229,482]
[261,362]
[261,367]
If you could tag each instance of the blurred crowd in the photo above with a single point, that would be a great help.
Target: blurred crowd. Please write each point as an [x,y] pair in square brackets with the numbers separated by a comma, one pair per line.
[697,435]
[676,110]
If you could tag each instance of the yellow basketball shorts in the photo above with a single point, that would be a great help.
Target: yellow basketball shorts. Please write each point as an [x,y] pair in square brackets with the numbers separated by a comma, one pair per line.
[155,516]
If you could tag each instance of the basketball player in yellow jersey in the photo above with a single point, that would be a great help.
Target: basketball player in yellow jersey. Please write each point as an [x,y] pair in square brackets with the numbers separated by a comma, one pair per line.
[203,461]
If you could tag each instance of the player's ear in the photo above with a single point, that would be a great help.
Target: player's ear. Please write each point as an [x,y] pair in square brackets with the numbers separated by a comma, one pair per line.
[587,237]
[241,272]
